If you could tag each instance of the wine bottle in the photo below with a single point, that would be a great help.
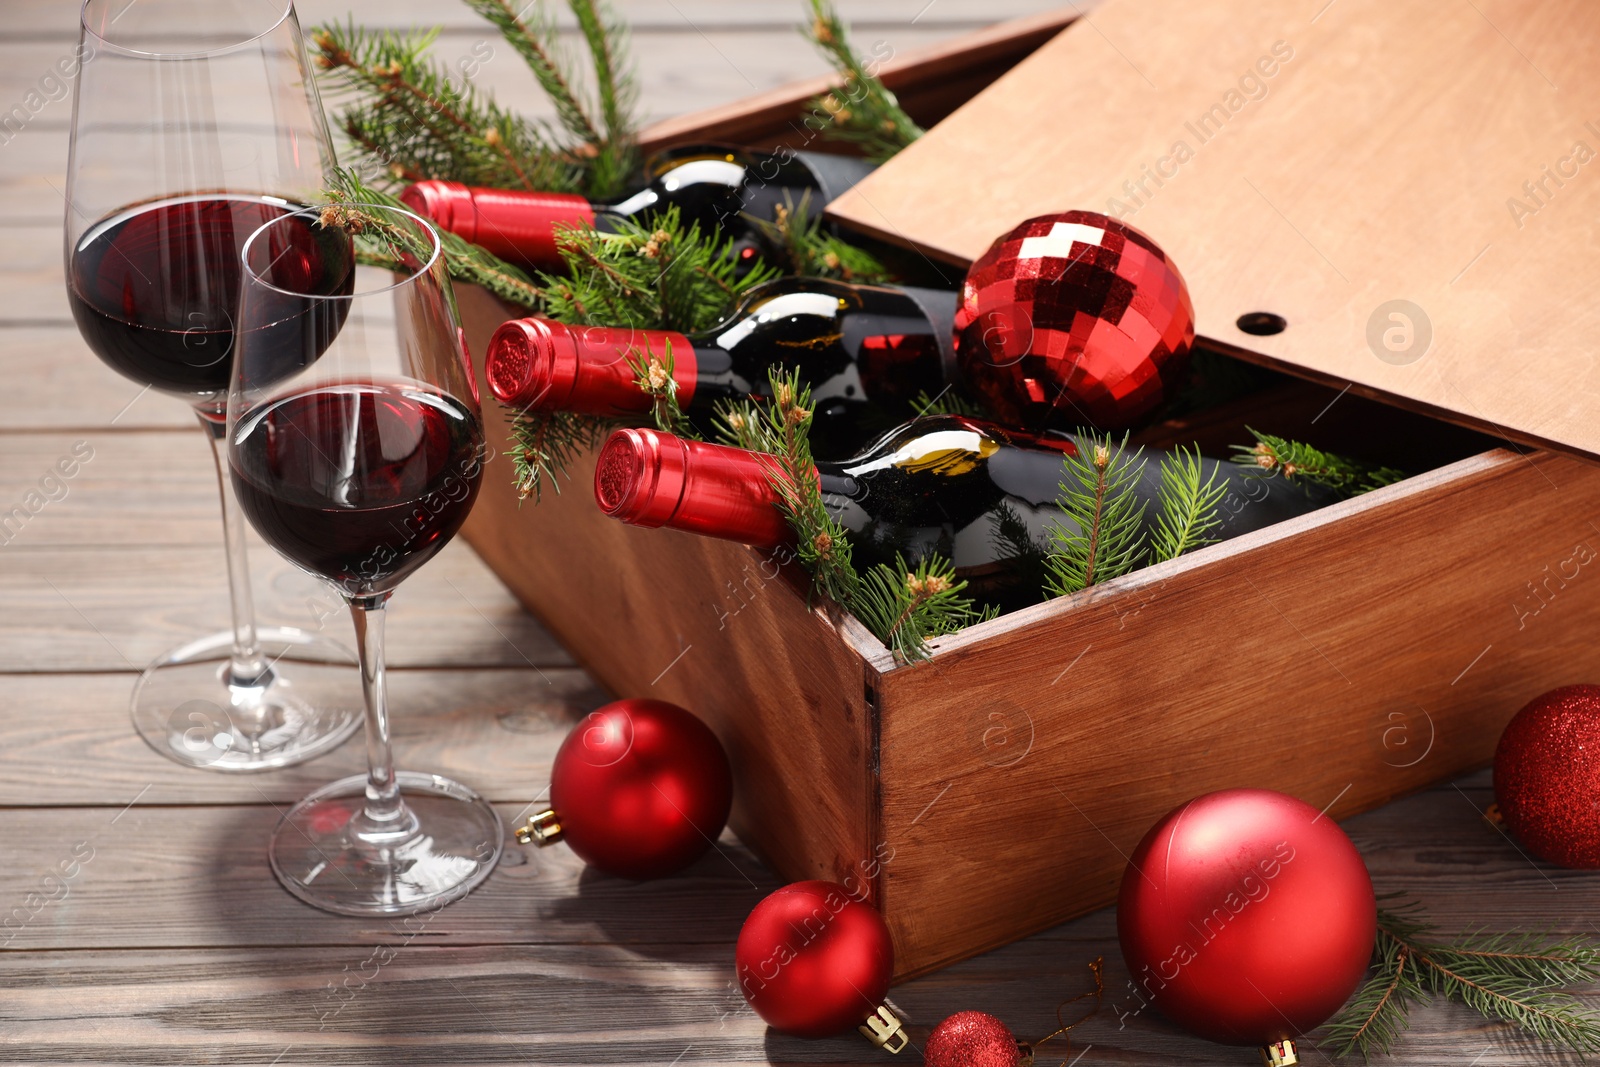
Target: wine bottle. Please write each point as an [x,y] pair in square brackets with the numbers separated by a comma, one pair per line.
[865,351]
[712,185]
[979,495]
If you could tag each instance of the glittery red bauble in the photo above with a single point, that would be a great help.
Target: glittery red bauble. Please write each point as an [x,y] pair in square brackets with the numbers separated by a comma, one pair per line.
[1246,917]
[1547,776]
[1073,320]
[814,961]
[641,788]
[971,1039]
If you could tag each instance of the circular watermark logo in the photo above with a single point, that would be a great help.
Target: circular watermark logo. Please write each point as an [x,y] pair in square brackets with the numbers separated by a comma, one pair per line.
[202,730]
[1399,332]
[1003,735]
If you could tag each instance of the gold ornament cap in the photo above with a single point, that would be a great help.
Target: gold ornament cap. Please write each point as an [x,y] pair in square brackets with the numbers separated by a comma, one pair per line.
[884,1029]
[543,829]
[1280,1054]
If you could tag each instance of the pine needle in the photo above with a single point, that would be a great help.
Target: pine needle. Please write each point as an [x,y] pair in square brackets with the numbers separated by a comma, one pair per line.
[948,402]
[1187,506]
[653,376]
[544,443]
[1299,463]
[1102,536]
[861,111]
[1512,978]
[905,608]
[411,121]
[807,249]
[466,262]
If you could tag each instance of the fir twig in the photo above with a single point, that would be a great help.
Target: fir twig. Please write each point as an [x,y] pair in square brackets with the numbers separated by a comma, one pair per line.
[1300,463]
[809,250]
[1513,978]
[653,375]
[1012,540]
[466,262]
[905,608]
[403,111]
[544,443]
[948,402]
[861,111]
[1102,535]
[1187,506]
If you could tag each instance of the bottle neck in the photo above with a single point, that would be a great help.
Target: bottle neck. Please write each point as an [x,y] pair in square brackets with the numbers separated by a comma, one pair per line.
[513,224]
[647,478]
[591,370]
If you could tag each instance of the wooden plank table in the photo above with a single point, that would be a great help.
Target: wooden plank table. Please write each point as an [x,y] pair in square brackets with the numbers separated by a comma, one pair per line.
[172,944]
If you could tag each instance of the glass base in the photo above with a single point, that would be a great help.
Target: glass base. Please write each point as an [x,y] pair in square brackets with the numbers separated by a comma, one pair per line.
[309,704]
[451,842]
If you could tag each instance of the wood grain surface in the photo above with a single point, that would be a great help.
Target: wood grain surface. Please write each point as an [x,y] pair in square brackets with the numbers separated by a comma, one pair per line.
[174,946]
[1311,161]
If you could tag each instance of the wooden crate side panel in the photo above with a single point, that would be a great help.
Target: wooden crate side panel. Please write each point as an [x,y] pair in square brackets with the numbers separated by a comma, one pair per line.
[1363,657]
[702,623]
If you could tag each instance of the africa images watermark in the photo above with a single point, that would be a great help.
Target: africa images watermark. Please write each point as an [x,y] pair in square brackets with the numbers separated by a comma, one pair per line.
[1251,88]
[52,86]
[52,488]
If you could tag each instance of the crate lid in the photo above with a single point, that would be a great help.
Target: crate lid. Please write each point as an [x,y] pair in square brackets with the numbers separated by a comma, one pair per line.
[1413,188]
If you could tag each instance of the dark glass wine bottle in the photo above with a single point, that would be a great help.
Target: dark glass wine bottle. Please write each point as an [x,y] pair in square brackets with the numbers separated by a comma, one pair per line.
[865,351]
[972,492]
[713,185]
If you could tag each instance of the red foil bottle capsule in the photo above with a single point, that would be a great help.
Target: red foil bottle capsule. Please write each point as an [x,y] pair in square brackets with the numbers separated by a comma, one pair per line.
[515,225]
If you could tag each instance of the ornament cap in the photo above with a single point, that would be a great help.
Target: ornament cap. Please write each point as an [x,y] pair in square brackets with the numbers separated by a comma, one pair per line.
[884,1029]
[1280,1054]
[543,829]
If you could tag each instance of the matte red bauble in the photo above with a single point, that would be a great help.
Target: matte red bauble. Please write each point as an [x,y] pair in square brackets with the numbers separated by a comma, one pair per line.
[1246,917]
[640,789]
[971,1039]
[1073,320]
[813,961]
[1547,776]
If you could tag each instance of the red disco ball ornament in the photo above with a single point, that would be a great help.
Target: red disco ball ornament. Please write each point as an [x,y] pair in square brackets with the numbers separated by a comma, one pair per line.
[1247,918]
[639,789]
[1072,320]
[813,961]
[1547,776]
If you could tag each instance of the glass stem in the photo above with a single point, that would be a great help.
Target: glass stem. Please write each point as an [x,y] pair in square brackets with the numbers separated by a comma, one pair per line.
[385,814]
[249,668]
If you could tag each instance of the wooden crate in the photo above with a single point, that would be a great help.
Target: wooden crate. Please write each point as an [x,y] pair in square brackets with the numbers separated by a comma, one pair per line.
[1346,657]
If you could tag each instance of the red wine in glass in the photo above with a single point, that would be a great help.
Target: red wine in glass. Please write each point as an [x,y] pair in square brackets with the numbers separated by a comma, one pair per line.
[155,287]
[360,482]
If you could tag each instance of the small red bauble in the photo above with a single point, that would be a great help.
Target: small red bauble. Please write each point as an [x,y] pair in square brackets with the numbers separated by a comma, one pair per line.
[1246,917]
[1547,776]
[971,1039]
[1073,319]
[813,961]
[640,789]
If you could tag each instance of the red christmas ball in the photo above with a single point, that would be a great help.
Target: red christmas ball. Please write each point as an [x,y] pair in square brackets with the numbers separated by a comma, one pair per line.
[1073,319]
[1246,917]
[814,961]
[1547,776]
[971,1039]
[641,788]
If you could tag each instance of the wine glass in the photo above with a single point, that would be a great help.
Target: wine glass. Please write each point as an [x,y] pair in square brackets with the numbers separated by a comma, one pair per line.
[194,122]
[356,448]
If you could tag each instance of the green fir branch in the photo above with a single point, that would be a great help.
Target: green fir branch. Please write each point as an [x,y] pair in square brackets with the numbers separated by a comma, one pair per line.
[807,249]
[1102,535]
[412,121]
[1301,464]
[905,607]
[861,111]
[653,376]
[545,443]
[466,262]
[666,278]
[1012,540]
[1187,507]
[1513,978]
[948,402]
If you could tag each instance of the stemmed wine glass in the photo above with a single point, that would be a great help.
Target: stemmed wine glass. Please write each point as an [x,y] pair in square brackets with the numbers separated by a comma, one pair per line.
[356,449]
[196,121]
